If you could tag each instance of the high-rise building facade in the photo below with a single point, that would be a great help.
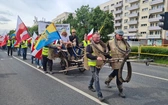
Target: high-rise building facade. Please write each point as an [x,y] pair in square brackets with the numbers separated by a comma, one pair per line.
[63,16]
[139,19]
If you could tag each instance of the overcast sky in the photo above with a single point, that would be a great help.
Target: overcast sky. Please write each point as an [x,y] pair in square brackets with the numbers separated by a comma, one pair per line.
[27,9]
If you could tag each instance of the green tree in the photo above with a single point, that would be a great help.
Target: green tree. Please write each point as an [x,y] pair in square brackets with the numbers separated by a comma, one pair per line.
[11,32]
[101,20]
[88,18]
[33,29]
[82,18]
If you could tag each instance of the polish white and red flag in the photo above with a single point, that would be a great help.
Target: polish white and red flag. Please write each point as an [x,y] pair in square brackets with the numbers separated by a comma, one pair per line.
[35,53]
[3,40]
[89,36]
[33,38]
[21,31]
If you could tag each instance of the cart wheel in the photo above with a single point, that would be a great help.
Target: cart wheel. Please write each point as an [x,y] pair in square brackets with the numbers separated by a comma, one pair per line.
[82,70]
[147,63]
[64,65]
[65,72]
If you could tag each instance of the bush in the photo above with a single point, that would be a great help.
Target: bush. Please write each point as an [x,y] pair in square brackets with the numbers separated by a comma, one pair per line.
[157,53]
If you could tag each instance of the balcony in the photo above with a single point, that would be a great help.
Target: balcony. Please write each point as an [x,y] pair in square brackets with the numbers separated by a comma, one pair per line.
[133,22]
[132,1]
[154,36]
[154,28]
[132,29]
[133,15]
[117,24]
[133,7]
[106,9]
[118,5]
[157,10]
[156,19]
[156,2]
[118,11]
[118,18]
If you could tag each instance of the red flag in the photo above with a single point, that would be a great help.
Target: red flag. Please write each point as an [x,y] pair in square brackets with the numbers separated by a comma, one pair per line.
[21,31]
[89,36]
[29,39]
[37,53]
[3,41]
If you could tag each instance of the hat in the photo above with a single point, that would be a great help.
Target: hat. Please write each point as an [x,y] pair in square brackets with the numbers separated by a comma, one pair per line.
[73,30]
[63,30]
[120,32]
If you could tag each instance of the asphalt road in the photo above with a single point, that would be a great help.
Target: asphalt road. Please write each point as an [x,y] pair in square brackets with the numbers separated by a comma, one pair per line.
[21,83]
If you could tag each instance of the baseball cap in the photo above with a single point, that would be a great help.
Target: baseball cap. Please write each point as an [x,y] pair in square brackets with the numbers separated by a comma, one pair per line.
[120,32]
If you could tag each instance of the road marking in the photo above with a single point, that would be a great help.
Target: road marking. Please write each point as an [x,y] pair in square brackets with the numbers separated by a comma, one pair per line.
[160,78]
[64,83]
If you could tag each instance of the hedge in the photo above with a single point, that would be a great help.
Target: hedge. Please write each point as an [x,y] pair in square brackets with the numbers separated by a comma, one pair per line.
[152,52]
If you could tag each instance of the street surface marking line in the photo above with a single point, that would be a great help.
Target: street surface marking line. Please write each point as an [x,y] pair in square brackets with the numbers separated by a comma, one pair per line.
[64,83]
[145,75]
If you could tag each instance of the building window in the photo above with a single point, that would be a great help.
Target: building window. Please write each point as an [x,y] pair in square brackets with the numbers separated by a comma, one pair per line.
[157,32]
[144,1]
[143,32]
[142,25]
[126,14]
[144,17]
[112,4]
[125,27]
[112,11]
[152,24]
[144,9]
[126,7]
[126,20]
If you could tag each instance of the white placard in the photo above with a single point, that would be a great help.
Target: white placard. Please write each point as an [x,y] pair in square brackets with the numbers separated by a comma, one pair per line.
[42,25]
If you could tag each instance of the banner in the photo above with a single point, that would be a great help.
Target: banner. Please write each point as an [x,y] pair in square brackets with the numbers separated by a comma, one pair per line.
[42,25]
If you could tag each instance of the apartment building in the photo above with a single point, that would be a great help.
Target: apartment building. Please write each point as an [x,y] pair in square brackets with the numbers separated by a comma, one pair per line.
[62,16]
[139,19]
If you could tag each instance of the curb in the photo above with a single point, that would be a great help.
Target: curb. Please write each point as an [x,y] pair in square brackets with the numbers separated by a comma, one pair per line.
[156,64]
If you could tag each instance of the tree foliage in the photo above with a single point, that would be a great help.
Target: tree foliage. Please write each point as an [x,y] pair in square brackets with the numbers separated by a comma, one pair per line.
[88,18]
[11,32]
[33,29]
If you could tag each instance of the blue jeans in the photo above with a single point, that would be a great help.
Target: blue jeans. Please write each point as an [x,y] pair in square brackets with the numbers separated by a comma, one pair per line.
[38,62]
[19,51]
[24,53]
[95,78]
[32,59]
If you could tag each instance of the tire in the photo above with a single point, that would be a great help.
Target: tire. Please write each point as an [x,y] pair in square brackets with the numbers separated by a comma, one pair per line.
[82,70]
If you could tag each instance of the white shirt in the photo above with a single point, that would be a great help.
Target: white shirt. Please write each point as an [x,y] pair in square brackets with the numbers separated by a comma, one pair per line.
[65,39]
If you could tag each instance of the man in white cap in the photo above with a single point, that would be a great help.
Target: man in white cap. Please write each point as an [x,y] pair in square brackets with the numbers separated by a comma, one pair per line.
[113,46]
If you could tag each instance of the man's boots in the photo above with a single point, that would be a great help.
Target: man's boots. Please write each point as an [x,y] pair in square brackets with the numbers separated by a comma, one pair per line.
[107,82]
[121,94]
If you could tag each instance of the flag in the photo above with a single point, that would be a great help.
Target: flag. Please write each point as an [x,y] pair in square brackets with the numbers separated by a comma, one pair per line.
[13,35]
[48,36]
[37,53]
[33,40]
[21,31]
[89,36]
[3,39]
